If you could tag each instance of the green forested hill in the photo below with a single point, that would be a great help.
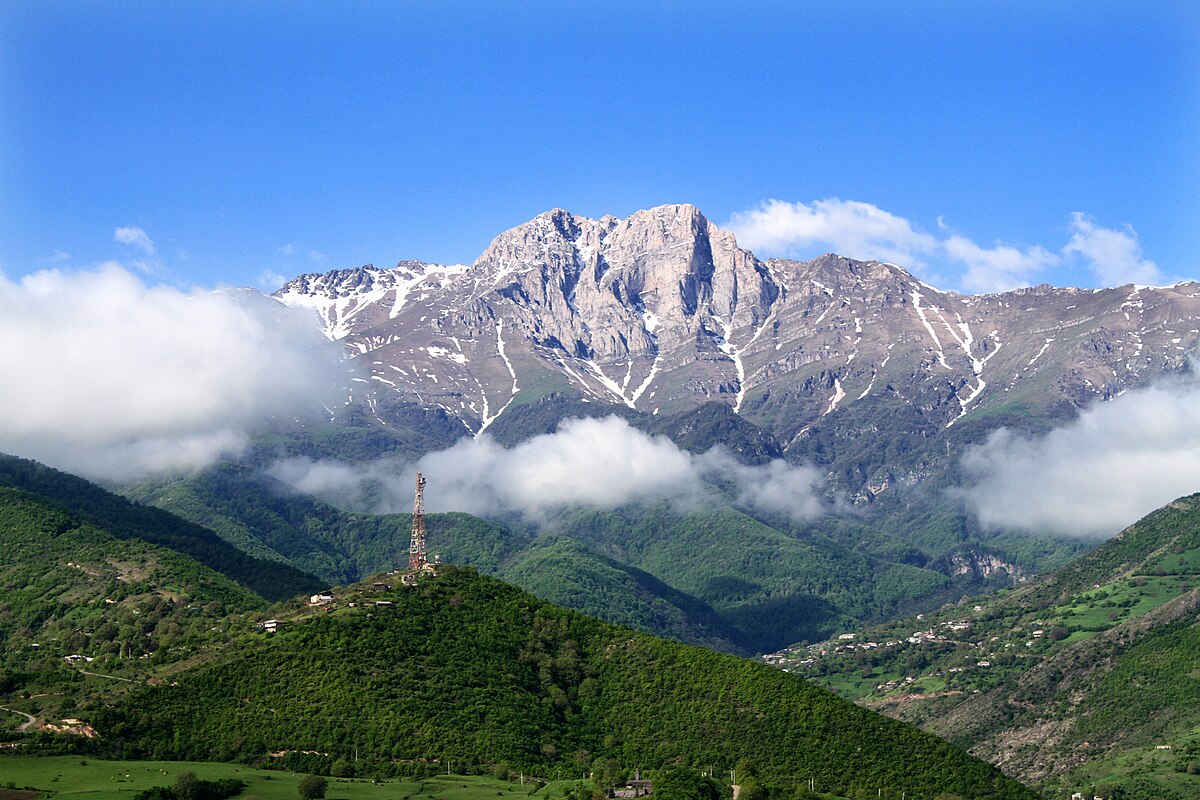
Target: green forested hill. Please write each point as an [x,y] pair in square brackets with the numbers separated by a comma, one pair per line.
[112,605]
[265,517]
[1087,676]
[774,587]
[119,517]
[466,668]
[567,573]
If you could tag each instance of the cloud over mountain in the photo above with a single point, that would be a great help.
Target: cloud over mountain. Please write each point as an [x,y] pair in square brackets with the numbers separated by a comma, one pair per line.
[595,463]
[1114,256]
[114,378]
[1115,463]
[865,231]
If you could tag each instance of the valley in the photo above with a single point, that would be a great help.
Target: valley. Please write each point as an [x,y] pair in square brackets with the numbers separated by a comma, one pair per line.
[1083,676]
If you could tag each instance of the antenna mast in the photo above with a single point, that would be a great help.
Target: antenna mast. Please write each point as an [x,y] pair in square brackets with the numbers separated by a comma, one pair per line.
[418,552]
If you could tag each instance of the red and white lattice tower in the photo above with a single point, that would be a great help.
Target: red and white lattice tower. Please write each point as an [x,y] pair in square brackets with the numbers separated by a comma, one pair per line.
[418,551]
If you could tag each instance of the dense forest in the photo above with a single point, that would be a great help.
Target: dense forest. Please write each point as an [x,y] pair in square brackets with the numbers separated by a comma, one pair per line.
[715,575]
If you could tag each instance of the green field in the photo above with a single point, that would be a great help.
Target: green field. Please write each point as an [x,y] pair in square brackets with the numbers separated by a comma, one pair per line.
[93,779]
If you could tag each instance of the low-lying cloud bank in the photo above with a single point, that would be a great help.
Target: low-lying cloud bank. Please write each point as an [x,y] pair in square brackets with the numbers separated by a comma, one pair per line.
[112,378]
[593,463]
[1095,476]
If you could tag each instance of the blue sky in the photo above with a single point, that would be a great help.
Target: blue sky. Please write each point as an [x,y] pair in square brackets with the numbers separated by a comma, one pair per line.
[984,145]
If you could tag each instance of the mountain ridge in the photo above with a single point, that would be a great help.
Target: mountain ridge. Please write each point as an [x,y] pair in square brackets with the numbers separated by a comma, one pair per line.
[126,520]
[662,311]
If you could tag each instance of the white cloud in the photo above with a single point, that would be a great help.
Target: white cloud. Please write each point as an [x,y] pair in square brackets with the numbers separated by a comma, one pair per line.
[866,232]
[112,378]
[848,227]
[596,463]
[136,237]
[1114,464]
[1114,257]
[774,486]
[999,269]
[270,280]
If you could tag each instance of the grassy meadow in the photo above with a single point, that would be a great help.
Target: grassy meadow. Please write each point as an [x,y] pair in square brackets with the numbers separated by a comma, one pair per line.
[95,779]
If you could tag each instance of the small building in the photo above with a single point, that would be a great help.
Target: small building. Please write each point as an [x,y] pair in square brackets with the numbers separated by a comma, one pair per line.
[269,626]
[320,599]
[634,788]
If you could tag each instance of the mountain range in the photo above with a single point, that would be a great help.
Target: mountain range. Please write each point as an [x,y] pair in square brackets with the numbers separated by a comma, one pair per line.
[857,368]
[662,312]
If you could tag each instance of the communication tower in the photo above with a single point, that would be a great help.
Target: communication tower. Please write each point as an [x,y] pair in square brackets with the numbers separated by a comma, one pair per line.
[418,552]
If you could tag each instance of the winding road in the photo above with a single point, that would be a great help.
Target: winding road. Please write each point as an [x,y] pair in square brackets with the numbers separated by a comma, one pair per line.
[29,718]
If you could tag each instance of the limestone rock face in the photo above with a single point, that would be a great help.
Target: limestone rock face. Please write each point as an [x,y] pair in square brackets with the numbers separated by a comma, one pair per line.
[663,311]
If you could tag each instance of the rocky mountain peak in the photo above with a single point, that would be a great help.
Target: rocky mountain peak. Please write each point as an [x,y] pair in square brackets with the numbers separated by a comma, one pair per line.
[662,311]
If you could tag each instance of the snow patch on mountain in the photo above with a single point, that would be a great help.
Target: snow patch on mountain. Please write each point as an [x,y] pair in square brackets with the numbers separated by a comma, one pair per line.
[340,296]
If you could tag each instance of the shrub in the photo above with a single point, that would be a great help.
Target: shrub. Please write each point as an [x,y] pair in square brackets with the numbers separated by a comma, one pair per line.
[312,787]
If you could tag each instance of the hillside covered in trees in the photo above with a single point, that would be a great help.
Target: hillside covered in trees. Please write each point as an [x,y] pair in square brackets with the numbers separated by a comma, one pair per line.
[468,669]
[1085,676]
[123,519]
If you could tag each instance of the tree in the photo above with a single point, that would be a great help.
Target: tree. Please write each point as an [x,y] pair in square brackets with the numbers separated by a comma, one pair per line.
[187,786]
[681,783]
[312,787]
[751,789]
